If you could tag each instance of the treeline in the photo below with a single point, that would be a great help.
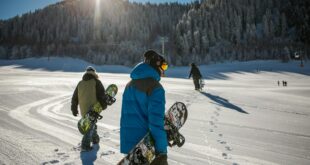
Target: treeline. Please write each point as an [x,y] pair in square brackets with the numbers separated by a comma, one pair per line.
[109,32]
[221,30]
[118,31]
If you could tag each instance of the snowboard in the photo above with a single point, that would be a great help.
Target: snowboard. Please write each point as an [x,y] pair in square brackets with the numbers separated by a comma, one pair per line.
[144,151]
[87,123]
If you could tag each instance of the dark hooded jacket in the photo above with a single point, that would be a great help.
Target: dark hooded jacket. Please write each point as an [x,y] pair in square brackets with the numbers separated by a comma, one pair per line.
[195,72]
[88,91]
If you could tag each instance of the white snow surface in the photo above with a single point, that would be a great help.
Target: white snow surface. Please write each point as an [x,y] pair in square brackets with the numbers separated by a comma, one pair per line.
[241,117]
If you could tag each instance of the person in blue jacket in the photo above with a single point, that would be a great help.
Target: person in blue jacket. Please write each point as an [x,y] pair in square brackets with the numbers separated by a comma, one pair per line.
[143,107]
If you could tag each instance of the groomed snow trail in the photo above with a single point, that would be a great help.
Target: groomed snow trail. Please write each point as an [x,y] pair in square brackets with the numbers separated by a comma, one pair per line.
[245,118]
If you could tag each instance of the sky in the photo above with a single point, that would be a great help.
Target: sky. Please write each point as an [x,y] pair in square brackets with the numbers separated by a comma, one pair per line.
[11,8]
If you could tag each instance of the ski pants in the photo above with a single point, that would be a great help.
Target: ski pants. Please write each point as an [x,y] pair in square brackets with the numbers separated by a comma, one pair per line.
[90,136]
[196,83]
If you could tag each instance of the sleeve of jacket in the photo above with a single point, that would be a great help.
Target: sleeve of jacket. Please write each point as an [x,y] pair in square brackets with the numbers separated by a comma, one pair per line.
[100,94]
[156,114]
[75,101]
[190,73]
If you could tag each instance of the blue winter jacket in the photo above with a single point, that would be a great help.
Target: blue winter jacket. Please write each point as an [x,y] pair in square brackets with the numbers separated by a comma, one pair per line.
[143,109]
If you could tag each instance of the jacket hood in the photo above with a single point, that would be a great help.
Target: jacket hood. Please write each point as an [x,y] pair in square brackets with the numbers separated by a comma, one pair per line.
[88,76]
[143,70]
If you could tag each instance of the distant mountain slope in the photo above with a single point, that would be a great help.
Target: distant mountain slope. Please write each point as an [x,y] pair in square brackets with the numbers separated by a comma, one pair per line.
[212,71]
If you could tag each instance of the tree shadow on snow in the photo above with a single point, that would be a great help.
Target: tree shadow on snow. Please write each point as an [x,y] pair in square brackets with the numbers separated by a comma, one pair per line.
[88,158]
[224,102]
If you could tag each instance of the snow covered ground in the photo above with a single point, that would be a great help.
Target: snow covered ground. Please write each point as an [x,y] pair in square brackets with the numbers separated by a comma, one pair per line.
[241,117]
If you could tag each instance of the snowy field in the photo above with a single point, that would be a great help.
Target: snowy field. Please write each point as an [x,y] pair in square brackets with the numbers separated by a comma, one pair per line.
[242,116]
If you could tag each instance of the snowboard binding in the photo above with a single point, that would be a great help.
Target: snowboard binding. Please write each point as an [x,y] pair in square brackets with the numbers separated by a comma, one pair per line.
[174,136]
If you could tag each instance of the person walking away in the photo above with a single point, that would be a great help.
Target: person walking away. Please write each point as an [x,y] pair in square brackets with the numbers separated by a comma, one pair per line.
[143,107]
[88,92]
[195,73]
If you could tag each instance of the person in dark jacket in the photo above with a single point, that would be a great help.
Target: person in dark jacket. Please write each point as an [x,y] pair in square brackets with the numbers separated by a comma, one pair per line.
[88,92]
[195,73]
[143,107]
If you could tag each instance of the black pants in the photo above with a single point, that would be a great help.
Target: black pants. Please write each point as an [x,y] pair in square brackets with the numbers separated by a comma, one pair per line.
[90,136]
[196,83]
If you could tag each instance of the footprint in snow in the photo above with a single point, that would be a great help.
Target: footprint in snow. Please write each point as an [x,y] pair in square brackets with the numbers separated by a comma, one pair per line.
[228,148]
[107,153]
[50,162]
[61,155]
[105,136]
[77,148]
[224,155]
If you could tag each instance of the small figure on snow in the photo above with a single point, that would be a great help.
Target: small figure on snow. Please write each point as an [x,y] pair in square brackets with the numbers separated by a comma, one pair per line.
[143,107]
[88,92]
[195,73]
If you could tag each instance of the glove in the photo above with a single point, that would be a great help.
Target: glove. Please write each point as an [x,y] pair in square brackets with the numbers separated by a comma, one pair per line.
[160,159]
[74,113]
[110,100]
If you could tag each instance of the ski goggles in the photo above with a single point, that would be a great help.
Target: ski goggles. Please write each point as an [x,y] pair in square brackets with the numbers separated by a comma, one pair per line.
[164,66]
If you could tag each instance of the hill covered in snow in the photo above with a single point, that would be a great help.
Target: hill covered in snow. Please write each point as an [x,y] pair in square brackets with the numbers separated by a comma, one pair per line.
[212,71]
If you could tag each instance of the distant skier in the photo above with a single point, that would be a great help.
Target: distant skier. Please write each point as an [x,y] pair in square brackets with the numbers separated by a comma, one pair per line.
[143,107]
[88,92]
[278,83]
[195,73]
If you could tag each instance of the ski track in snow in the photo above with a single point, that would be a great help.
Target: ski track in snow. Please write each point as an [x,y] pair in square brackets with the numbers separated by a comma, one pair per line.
[33,114]
[208,141]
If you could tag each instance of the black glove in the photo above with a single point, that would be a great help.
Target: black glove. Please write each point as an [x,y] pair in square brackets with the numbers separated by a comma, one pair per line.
[110,100]
[74,113]
[160,159]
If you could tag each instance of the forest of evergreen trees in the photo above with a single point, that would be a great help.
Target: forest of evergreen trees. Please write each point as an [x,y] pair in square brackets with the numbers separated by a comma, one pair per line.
[119,31]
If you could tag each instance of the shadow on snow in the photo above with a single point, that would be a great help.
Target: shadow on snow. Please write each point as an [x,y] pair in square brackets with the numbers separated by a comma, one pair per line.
[224,102]
[88,158]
